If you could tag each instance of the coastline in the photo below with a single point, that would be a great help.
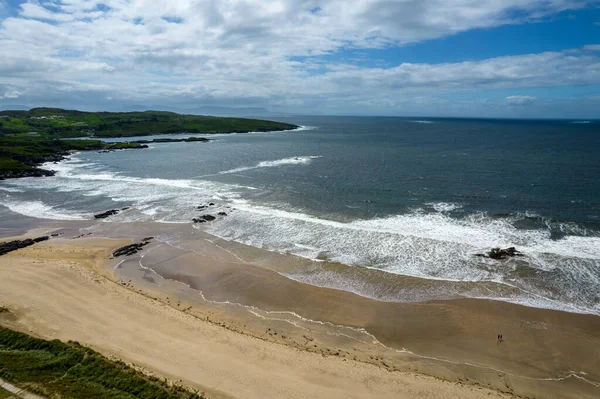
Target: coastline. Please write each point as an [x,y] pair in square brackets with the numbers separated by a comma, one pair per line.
[234,288]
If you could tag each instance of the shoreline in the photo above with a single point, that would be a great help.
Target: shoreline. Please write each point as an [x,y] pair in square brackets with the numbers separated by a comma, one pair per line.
[230,285]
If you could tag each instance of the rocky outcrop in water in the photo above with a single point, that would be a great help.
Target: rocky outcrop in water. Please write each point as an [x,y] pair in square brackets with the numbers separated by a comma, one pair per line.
[187,140]
[10,246]
[106,214]
[499,254]
[131,249]
[204,219]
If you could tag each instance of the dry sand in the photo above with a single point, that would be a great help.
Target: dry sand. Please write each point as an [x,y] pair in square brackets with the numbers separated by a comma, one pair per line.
[65,289]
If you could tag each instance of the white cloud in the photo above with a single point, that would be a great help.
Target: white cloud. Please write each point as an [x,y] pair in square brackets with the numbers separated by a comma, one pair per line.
[592,47]
[253,51]
[520,100]
[9,95]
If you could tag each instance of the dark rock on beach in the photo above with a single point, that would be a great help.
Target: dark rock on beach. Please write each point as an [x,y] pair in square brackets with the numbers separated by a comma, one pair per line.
[10,246]
[131,249]
[222,214]
[106,214]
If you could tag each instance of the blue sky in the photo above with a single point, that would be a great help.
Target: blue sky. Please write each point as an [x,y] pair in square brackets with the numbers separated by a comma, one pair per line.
[496,58]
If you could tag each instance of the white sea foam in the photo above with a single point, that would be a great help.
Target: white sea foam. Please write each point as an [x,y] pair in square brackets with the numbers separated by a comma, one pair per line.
[422,121]
[444,206]
[304,160]
[425,245]
[420,244]
[38,209]
[10,189]
[581,122]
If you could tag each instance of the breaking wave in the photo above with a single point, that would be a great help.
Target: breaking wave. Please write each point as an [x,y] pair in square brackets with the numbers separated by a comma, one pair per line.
[270,164]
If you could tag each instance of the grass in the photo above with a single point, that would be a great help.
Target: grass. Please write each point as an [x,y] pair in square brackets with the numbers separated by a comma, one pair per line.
[21,150]
[4,394]
[23,153]
[70,370]
[11,164]
[64,123]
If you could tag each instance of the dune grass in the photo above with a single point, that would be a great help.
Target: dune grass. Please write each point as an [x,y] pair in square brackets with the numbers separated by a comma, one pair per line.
[4,393]
[70,370]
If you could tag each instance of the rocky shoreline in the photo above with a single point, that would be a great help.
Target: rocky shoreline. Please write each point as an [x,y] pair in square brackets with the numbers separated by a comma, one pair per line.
[30,163]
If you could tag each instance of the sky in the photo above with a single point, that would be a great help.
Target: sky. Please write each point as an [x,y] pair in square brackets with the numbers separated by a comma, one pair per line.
[458,58]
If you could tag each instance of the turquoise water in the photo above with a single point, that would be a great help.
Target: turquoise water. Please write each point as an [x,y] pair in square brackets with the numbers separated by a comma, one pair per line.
[411,197]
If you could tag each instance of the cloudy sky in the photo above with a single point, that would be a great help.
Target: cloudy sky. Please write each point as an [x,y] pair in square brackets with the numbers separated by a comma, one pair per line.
[494,58]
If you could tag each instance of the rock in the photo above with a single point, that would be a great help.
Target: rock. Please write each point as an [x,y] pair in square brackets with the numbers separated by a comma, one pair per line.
[499,254]
[211,204]
[147,239]
[222,214]
[200,207]
[124,209]
[131,249]
[204,219]
[18,173]
[106,214]
[10,246]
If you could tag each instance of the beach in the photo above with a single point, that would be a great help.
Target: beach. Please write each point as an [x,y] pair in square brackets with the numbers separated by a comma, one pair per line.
[222,318]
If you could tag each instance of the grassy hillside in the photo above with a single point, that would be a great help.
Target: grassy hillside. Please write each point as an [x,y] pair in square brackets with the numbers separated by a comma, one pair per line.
[71,371]
[64,123]
[20,154]
[30,138]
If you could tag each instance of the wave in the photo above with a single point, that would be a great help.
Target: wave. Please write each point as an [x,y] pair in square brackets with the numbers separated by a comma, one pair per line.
[581,122]
[38,209]
[11,190]
[444,206]
[431,246]
[426,243]
[422,121]
[304,160]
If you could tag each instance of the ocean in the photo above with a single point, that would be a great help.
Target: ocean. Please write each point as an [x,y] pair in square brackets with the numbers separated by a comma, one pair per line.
[415,197]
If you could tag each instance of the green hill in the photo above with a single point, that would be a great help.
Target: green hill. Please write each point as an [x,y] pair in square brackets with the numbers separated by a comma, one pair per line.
[58,122]
[30,138]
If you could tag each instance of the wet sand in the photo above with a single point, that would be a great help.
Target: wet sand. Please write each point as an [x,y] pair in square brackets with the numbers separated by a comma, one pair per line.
[222,317]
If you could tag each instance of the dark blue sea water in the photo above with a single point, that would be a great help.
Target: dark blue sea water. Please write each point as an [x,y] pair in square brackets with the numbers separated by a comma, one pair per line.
[411,197]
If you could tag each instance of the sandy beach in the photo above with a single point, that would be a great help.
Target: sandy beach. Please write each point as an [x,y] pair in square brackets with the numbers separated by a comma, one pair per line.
[218,317]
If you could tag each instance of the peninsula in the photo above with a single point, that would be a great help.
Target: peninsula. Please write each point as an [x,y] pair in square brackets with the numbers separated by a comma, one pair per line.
[30,138]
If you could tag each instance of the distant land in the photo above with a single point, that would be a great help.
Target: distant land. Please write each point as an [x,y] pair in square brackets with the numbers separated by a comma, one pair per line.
[68,123]
[30,138]
[207,110]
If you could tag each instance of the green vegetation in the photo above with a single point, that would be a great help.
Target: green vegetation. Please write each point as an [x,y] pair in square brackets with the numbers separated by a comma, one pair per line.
[4,394]
[29,138]
[69,370]
[19,155]
[63,123]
